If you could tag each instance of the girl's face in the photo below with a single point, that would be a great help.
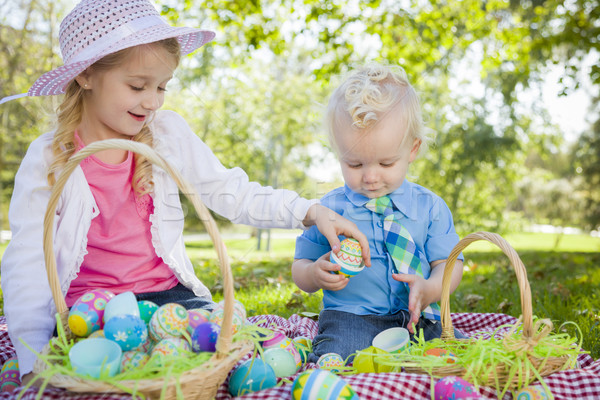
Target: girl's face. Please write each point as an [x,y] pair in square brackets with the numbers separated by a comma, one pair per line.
[375,162]
[121,99]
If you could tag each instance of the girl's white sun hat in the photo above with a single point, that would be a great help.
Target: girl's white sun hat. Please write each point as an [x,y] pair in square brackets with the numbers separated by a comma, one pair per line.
[97,28]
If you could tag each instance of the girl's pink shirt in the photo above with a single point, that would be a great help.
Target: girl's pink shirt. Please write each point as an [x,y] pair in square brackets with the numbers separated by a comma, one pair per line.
[120,255]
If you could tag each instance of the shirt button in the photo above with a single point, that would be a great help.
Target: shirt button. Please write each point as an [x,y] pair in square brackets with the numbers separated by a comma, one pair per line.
[380,224]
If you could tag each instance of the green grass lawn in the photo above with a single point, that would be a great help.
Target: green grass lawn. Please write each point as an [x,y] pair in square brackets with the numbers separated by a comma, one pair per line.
[564,281]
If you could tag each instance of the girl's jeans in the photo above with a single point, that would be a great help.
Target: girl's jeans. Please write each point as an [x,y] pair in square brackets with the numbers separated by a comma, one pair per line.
[345,333]
[178,294]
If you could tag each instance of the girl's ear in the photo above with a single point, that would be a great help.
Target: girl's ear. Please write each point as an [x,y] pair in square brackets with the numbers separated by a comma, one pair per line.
[415,150]
[83,79]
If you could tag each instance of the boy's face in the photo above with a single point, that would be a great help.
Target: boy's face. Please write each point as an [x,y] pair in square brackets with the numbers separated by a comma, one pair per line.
[375,161]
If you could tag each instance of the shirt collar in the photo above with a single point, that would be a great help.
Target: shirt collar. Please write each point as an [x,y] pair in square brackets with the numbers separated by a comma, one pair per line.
[401,197]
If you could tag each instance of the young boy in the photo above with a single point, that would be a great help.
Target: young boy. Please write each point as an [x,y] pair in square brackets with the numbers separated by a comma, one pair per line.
[376,128]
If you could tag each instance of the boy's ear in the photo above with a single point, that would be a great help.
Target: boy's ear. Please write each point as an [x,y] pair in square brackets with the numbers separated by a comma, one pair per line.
[415,150]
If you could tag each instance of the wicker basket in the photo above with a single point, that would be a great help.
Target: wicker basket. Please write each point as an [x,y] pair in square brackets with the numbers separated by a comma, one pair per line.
[530,333]
[200,382]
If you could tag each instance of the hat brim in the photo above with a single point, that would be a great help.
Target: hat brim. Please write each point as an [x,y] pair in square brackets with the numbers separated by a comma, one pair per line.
[55,82]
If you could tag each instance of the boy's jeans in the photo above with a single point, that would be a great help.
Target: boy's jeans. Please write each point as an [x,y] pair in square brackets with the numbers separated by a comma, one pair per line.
[344,333]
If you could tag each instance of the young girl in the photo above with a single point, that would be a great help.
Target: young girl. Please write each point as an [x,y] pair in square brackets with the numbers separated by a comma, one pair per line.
[119,220]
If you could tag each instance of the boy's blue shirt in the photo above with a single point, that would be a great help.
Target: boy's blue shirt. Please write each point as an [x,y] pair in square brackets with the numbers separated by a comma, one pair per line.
[374,291]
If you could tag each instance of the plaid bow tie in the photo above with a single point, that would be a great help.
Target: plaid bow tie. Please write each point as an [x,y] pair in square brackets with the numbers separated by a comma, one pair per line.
[401,246]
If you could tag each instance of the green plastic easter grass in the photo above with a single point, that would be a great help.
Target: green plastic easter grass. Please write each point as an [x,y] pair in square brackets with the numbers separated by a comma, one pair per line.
[167,367]
[485,361]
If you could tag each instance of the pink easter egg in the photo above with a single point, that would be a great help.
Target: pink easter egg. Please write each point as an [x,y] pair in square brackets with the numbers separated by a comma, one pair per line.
[454,387]
[274,341]
[86,314]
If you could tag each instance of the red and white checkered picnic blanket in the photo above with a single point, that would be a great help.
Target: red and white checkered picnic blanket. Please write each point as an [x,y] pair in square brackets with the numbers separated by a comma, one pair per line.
[582,383]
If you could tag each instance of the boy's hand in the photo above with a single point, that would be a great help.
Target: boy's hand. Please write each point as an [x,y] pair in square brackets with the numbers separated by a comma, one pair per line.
[331,224]
[419,296]
[322,277]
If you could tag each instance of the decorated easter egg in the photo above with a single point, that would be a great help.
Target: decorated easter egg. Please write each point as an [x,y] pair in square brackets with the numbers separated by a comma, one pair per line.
[331,361]
[454,387]
[323,385]
[205,337]
[349,258]
[10,377]
[146,347]
[437,352]
[97,334]
[281,360]
[275,339]
[279,340]
[87,313]
[128,331]
[170,320]
[303,346]
[238,317]
[171,346]
[195,318]
[251,376]
[533,392]
[147,309]
[133,359]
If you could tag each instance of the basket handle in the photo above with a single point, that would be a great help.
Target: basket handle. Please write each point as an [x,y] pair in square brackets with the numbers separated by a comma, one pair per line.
[224,340]
[515,261]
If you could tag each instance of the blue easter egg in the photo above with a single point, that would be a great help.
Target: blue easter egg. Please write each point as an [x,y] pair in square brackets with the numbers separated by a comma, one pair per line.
[205,337]
[323,385]
[127,330]
[251,376]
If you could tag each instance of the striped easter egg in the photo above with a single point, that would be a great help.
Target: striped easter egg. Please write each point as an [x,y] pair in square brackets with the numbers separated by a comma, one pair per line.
[323,385]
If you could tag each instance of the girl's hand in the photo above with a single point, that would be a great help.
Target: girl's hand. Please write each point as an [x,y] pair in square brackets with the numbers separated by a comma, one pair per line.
[320,271]
[331,224]
[419,297]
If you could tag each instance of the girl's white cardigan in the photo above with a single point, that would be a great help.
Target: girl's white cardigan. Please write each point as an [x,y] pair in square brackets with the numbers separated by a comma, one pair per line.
[28,303]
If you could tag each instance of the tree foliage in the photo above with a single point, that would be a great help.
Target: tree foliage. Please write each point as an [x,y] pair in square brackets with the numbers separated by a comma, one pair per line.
[256,94]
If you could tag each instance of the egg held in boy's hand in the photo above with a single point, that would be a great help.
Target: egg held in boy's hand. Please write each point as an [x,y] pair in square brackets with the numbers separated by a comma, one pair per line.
[349,258]
[87,313]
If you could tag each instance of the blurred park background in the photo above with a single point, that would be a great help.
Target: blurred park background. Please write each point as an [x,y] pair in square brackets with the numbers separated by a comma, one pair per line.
[509,89]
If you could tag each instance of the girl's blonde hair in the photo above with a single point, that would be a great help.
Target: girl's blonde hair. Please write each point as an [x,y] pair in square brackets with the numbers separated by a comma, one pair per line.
[368,94]
[70,113]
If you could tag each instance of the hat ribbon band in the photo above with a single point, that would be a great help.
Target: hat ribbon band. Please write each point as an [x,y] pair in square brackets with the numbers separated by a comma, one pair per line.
[123,31]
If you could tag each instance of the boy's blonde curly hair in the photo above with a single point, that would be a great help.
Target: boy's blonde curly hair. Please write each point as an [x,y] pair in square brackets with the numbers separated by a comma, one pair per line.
[368,94]
[70,113]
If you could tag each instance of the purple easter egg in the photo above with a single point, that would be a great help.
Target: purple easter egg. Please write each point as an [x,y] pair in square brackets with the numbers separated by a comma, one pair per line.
[454,387]
[196,318]
[205,337]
